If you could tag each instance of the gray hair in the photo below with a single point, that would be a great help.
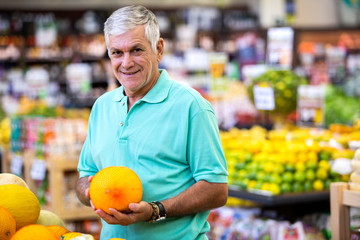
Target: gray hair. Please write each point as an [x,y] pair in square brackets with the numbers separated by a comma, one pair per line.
[127,18]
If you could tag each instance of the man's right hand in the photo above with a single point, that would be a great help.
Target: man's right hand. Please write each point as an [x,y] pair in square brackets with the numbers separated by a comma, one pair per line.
[82,190]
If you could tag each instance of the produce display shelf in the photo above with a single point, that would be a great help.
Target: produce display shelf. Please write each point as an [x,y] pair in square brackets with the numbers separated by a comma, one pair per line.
[282,199]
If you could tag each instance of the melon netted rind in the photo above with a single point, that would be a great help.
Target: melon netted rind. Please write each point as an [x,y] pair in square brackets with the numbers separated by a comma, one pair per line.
[34,231]
[115,187]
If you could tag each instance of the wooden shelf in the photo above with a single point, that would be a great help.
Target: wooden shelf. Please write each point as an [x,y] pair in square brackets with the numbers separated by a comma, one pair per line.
[57,167]
[5,161]
[351,198]
[282,199]
[74,214]
[58,162]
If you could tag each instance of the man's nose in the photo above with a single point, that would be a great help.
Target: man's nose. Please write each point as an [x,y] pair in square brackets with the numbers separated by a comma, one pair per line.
[128,60]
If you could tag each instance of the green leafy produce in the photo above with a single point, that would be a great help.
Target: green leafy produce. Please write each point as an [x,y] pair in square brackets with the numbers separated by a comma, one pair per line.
[340,108]
[285,85]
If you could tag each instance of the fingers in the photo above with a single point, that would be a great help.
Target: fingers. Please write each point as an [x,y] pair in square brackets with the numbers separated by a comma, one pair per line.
[90,178]
[138,212]
[122,218]
[116,217]
[110,219]
[87,192]
[92,205]
[134,207]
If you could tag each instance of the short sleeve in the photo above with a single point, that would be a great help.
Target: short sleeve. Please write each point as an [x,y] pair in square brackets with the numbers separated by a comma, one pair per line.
[205,152]
[86,165]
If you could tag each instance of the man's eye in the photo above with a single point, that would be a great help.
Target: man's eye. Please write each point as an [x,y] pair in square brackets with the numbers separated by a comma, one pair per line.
[137,50]
[116,52]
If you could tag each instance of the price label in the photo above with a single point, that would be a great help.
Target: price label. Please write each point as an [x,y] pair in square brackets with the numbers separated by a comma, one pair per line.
[310,105]
[38,170]
[16,164]
[264,98]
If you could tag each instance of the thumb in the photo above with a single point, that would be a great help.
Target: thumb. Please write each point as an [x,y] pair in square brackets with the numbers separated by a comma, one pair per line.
[134,207]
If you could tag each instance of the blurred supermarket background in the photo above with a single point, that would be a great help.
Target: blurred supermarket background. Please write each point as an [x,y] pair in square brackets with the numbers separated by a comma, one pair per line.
[282,75]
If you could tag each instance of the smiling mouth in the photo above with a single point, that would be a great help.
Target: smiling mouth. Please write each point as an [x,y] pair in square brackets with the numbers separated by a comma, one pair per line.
[130,73]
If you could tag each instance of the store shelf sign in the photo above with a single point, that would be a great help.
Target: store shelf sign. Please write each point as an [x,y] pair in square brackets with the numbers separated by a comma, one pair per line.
[264,98]
[38,170]
[310,105]
[16,164]
[280,47]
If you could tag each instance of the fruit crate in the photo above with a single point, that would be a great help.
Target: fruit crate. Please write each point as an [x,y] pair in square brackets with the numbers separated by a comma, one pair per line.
[62,199]
[341,200]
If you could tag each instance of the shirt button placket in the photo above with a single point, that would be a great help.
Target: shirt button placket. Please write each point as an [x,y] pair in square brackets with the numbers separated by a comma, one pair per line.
[122,123]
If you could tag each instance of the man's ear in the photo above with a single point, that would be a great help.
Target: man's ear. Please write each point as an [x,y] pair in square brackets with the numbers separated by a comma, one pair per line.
[160,49]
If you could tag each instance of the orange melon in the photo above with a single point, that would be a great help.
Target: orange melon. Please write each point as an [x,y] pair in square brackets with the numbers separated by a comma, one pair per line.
[34,231]
[7,224]
[58,230]
[115,187]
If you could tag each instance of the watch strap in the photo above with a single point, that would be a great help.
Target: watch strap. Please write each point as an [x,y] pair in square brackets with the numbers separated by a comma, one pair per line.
[162,211]
[155,213]
[159,212]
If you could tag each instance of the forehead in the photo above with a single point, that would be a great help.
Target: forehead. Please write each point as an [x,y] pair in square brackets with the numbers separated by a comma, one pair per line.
[132,37]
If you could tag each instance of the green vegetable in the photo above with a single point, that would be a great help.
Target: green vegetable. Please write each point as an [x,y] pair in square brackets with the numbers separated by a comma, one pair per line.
[340,108]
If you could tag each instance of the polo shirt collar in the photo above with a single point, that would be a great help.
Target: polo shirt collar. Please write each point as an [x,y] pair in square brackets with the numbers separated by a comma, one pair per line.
[157,94]
[119,94]
[161,89]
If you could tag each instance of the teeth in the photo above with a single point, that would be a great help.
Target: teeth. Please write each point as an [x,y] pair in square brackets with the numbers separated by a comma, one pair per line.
[130,73]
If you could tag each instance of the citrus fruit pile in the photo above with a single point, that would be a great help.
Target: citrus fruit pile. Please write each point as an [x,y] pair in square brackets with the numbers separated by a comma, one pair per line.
[281,161]
[21,217]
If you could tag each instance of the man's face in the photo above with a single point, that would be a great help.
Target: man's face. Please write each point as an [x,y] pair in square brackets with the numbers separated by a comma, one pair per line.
[134,63]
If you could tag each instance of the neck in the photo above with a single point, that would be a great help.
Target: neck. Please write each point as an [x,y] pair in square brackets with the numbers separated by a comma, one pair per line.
[134,97]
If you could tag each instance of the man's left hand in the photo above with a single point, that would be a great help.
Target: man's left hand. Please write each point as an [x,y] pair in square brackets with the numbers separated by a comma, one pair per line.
[138,212]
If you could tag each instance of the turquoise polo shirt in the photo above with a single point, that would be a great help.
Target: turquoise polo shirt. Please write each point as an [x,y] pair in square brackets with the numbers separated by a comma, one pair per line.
[170,138]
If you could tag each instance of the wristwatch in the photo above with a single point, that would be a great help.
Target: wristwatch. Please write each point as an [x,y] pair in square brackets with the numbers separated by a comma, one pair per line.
[159,212]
